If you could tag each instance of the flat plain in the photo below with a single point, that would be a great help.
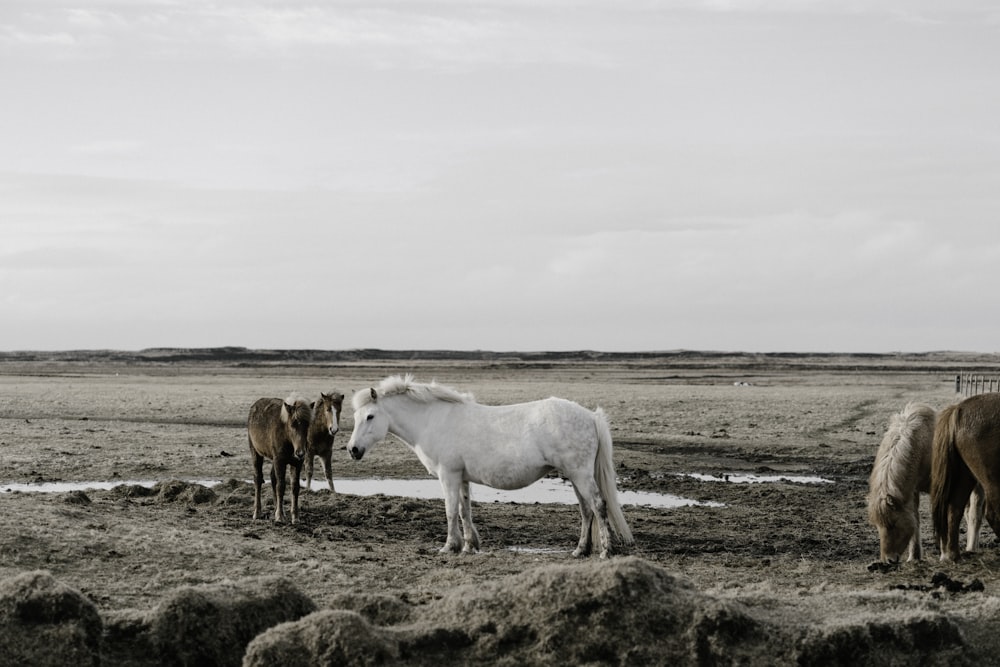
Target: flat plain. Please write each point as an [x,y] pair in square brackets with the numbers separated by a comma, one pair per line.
[793,555]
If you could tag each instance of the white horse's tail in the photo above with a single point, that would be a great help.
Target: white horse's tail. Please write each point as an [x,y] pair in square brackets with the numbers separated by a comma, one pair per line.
[604,473]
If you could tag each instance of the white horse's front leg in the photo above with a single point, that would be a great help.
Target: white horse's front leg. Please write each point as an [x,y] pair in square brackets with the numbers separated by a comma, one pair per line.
[470,536]
[452,487]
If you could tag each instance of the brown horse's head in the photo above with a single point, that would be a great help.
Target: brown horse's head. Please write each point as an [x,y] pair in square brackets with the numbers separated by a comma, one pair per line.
[296,415]
[326,414]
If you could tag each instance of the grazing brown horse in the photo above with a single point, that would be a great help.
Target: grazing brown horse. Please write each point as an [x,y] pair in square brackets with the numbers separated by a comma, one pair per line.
[325,424]
[966,452]
[901,472]
[278,430]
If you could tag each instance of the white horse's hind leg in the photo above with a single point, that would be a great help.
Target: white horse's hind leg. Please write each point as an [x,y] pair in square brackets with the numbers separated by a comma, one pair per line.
[586,525]
[470,536]
[592,505]
[452,487]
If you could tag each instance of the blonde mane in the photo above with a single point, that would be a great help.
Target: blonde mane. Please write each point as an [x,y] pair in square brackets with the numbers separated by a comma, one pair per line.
[404,385]
[896,463]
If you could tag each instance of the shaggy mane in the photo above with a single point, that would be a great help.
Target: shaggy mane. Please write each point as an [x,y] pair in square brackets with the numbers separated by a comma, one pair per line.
[404,385]
[298,404]
[894,462]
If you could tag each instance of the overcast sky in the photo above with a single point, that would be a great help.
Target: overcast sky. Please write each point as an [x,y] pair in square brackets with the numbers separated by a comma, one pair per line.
[760,175]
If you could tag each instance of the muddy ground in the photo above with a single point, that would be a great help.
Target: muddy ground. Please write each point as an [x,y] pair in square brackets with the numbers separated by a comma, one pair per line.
[791,555]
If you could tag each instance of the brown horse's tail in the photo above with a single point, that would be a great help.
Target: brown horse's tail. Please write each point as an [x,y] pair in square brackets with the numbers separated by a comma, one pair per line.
[945,465]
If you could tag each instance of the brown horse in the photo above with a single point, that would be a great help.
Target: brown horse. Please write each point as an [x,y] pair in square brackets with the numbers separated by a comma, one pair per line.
[901,472]
[325,424]
[966,452]
[278,430]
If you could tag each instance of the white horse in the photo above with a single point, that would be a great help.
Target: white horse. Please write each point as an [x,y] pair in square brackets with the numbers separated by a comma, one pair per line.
[505,447]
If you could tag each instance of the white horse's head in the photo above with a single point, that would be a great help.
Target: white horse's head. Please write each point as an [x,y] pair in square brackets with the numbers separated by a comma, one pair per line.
[371,424]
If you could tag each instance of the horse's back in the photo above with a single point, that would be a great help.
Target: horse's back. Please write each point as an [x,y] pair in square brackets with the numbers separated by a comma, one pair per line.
[977,436]
[511,446]
[979,418]
[535,420]
[263,425]
[264,412]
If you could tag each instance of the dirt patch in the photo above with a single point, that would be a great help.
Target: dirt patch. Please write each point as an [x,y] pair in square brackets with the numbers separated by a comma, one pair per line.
[778,574]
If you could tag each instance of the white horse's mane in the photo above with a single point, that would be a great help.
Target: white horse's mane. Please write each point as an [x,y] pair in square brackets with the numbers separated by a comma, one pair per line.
[896,457]
[400,385]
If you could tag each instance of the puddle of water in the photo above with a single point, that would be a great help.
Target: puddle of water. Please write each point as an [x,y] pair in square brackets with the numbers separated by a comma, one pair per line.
[66,487]
[546,490]
[756,479]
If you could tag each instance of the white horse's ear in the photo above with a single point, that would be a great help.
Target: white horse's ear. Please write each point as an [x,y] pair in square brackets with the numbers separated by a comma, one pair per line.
[374,395]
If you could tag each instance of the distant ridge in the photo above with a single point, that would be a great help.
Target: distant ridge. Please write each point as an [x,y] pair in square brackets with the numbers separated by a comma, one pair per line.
[242,356]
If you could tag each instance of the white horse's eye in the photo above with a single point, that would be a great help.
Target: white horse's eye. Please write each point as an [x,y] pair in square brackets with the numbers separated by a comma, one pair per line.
[369,417]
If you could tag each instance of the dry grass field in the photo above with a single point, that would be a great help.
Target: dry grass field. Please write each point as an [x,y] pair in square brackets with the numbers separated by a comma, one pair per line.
[778,574]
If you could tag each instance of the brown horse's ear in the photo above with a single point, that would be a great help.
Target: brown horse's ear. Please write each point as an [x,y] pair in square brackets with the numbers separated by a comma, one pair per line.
[322,395]
[374,395]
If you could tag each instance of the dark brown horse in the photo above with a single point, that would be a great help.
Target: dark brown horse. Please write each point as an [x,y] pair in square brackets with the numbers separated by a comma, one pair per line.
[278,430]
[325,424]
[966,451]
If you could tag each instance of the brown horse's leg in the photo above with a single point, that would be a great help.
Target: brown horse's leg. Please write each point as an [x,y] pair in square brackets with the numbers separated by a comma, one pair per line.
[258,480]
[296,471]
[960,492]
[915,549]
[278,487]
[309,469]
[992,511]
[328,468]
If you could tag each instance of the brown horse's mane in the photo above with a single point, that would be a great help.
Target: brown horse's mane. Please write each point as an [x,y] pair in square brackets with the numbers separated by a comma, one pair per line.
[298,403]
[404,385]
[896,460]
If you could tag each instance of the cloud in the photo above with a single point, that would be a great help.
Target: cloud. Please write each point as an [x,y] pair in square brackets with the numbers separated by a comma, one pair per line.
[109,148]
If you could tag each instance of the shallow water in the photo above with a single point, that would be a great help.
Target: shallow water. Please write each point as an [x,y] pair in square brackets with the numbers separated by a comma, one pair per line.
[747,478]
[546,490]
